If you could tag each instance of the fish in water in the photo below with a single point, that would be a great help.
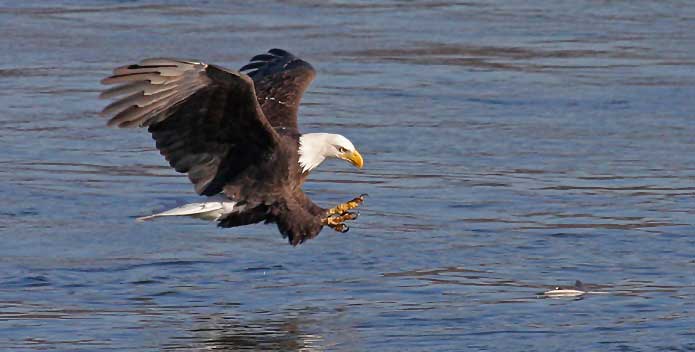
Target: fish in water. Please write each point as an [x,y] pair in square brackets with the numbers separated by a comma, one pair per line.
[560,292]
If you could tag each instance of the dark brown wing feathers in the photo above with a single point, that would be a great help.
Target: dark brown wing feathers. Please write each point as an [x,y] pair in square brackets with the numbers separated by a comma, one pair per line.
[205,120]
[280,79]
[152,88]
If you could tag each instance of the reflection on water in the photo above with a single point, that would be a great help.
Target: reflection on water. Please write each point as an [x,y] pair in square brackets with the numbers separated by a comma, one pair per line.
[510,149]
[267,335]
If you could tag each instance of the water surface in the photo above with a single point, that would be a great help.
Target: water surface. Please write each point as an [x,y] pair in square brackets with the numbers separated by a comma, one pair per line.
[510,147]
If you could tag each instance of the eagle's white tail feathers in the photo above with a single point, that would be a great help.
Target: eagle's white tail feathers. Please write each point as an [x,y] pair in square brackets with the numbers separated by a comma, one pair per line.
[214,210]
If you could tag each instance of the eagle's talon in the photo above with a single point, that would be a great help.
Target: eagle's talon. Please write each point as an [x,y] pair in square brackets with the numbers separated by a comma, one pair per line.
[347,206]
[332,220]
[348,215]
[336,223]
[337,219]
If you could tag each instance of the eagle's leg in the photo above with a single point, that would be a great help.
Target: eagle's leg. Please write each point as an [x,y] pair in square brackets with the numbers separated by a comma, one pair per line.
[336,216]
[337,222]
[345,207]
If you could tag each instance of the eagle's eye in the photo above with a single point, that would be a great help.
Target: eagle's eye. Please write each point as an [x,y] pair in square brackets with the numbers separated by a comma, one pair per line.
[342,150]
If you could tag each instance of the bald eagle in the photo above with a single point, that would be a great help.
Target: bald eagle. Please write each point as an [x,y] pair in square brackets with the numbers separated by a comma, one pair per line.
[235,134]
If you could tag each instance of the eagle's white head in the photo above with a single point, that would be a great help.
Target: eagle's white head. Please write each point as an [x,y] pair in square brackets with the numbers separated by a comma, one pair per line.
[314,148]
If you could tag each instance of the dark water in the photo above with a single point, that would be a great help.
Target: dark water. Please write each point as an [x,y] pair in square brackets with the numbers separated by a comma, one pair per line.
[510,147]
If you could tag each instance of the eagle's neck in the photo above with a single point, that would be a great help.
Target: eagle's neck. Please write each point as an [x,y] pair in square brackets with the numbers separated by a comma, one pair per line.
[313,150]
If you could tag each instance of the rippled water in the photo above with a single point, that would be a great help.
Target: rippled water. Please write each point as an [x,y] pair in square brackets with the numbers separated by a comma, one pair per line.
[510,147]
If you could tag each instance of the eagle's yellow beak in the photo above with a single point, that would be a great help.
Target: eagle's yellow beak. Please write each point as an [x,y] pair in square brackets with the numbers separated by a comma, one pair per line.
[354,157]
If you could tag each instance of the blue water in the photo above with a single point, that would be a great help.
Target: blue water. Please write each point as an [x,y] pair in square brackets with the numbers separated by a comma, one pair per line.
[510,147]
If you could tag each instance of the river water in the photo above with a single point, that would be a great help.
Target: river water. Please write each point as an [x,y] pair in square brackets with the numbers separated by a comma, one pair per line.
[510,147]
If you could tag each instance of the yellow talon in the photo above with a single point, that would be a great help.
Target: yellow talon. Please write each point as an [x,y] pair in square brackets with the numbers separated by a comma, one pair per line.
[349,205]
[342,228]
[339,219]
[337,222]
[331,221]
[335,217]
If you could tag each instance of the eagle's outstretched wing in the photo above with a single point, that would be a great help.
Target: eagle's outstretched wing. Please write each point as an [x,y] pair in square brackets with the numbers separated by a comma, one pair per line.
[205,119]
[280,79]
